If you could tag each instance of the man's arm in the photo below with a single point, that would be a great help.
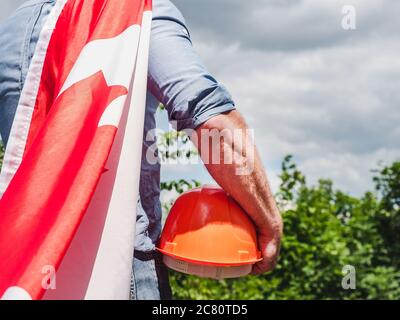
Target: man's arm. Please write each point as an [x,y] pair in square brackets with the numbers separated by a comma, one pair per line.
[241,174]
[194,99]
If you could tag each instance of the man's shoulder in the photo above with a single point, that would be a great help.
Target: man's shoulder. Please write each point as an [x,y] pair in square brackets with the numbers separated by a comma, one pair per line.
[165,9]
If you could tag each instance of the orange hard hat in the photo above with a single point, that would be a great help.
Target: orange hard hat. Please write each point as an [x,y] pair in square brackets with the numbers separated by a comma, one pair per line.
[208,234]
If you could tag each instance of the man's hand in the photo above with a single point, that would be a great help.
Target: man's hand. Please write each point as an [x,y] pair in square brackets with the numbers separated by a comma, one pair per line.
[270,252]
[227,149]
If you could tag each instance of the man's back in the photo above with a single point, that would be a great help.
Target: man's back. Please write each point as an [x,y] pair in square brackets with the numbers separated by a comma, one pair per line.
[177,79]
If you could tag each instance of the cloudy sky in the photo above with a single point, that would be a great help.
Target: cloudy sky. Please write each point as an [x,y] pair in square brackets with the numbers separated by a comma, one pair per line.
[308,87]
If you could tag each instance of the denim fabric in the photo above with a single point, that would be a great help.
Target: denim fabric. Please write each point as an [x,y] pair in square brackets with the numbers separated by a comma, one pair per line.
[177,78]
[150,277]
[18,37]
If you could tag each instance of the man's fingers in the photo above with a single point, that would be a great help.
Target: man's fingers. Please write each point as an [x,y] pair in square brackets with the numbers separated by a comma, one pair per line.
[271,251]
[270,256]
[263,266]
[259,268]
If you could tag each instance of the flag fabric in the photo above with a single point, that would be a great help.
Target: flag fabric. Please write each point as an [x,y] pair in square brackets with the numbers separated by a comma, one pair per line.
[70,180]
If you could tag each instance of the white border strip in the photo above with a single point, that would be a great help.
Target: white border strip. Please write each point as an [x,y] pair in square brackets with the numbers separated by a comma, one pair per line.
[20,128]
[112,269]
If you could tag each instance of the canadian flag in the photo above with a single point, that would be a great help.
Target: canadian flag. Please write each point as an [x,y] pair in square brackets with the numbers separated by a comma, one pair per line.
[70,181]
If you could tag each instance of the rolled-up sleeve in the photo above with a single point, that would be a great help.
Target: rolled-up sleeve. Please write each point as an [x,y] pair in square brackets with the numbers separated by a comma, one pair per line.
[177,77]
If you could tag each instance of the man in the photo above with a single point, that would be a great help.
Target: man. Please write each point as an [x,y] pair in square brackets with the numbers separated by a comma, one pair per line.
[193,99]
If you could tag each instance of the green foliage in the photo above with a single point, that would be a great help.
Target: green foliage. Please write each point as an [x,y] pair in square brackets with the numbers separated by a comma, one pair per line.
[325,230]
[175,145]
[387,181]
[179,186]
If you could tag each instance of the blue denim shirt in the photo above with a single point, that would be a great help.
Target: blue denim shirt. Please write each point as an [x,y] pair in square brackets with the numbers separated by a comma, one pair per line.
[177,78]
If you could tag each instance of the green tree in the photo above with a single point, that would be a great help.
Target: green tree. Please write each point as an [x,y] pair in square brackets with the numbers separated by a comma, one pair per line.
[325,230]
[387,183]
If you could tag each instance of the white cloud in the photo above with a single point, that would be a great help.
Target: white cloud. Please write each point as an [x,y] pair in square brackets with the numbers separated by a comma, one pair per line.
[332,101]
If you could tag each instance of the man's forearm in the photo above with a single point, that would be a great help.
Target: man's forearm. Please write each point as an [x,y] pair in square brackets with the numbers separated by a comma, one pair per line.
[240,173]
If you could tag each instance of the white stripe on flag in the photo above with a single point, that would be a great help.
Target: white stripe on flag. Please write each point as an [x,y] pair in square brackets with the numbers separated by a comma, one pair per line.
[21,125]
[98,264]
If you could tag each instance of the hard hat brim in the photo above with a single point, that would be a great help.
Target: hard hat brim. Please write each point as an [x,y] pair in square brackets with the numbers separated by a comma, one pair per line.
[207,271]
[211,263]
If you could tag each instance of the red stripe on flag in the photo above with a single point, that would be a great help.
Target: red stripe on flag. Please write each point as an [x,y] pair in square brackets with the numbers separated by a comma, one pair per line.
[80,22]
[66,151]
[55,183]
